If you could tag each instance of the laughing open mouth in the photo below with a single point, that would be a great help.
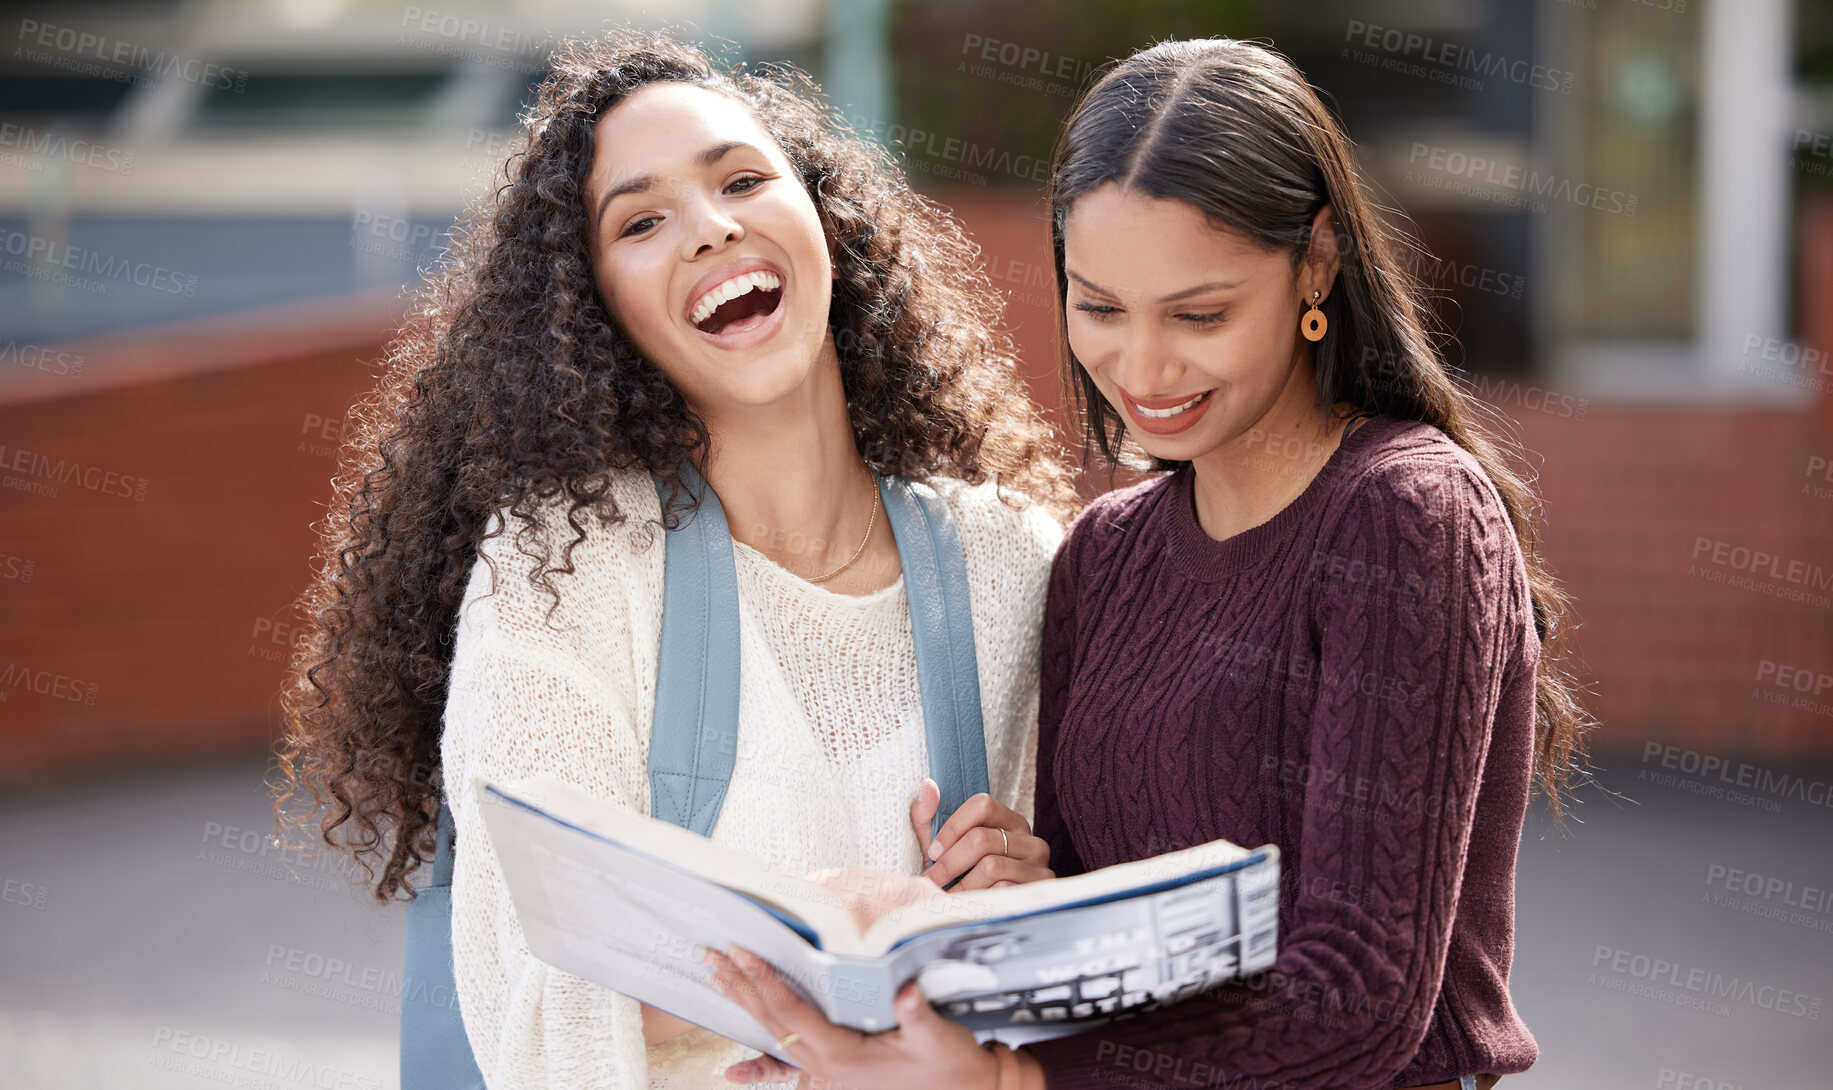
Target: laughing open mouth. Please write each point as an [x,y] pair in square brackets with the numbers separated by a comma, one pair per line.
[738,304]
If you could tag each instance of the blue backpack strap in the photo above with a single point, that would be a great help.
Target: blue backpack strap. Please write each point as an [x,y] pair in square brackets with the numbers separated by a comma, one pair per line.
[435,1054]
[693,743]
[942,627]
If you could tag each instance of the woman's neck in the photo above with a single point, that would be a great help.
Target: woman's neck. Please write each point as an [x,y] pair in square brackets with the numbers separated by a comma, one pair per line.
[792,481]
[1252,477]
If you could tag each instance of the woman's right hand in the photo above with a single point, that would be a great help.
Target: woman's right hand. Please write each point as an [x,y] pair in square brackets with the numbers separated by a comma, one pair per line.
[984,842]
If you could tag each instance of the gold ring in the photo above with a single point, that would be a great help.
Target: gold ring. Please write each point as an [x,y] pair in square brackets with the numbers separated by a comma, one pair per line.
[784,1042]
[1007,849]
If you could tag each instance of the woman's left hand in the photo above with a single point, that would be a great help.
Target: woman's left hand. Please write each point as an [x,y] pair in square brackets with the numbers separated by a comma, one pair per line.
[925,1051]
[984,843]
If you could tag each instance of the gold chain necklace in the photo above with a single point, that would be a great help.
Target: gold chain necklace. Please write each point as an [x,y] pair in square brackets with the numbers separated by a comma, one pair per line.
[870,523]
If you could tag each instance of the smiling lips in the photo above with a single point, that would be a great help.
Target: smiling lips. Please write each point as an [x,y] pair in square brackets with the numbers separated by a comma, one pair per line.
[740,298]
[1163,416]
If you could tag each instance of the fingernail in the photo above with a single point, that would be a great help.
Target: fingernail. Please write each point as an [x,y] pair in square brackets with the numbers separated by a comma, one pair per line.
[744,958]
[935,850]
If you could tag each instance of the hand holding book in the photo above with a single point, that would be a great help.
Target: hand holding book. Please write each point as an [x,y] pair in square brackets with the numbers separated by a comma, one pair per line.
[631,902]
[984,843]
[923,1052]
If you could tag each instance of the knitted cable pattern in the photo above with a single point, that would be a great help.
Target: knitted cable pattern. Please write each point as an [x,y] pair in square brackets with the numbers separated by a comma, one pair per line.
[1352,680]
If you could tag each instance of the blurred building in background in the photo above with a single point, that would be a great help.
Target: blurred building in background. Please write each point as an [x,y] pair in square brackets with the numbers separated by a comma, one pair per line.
[210,215]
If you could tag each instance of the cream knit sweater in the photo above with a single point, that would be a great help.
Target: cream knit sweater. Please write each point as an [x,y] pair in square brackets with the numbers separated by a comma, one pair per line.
[831,747]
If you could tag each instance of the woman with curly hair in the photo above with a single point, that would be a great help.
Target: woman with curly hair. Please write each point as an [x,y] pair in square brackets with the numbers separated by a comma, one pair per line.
[1326,627]
[685,267]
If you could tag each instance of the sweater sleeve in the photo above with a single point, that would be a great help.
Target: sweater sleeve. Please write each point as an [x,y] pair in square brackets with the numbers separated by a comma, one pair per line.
[520,703]
[1403,696]
[1056,664]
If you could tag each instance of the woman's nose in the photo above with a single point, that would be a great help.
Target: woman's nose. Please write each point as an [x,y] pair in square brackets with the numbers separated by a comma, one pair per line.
[1142,367]
[714,230]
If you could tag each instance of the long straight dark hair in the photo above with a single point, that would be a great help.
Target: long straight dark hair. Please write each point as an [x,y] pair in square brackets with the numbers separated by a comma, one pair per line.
[1232,128]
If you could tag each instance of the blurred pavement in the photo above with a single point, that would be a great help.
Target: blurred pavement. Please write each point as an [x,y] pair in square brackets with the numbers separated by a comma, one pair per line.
[134,974]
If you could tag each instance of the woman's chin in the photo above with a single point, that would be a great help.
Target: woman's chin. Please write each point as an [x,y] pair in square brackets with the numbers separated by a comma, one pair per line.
[763,379]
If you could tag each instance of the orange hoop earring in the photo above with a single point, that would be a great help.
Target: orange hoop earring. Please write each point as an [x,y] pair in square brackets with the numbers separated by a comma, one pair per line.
[1313,323]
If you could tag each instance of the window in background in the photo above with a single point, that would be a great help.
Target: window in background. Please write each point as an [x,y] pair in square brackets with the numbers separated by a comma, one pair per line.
[1625,189]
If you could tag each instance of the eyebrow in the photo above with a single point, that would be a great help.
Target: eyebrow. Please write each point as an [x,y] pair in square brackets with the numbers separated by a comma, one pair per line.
[1214,285]
[642,183]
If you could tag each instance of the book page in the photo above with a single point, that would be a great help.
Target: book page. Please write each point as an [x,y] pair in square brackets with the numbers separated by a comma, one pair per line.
[615,916]
[1126,879]
[1017,964]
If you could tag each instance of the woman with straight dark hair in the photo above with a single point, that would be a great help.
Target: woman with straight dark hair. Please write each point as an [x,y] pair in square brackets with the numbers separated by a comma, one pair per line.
[1325,627]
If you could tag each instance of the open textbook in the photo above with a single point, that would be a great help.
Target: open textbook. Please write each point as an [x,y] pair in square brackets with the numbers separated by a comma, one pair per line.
[630,902]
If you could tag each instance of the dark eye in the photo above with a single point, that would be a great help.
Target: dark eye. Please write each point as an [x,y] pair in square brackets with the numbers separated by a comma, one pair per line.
[1097,310]
[638,226]
[753,179]
[1213,318]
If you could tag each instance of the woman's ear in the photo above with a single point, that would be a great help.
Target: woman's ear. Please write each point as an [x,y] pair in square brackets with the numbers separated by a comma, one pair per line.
[1322,256]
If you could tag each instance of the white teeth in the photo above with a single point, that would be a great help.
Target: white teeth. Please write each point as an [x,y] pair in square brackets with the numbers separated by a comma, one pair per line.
[732,289]
[1160,414]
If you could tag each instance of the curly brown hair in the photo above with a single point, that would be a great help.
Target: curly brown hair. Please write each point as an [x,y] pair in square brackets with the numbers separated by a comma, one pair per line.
[510,388]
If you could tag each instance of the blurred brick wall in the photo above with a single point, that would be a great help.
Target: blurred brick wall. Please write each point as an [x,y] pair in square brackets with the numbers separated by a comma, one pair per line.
[177,608]
[1653,520]
[154,631]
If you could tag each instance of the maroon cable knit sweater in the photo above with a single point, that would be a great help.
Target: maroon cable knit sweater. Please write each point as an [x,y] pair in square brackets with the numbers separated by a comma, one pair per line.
[1352,680]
